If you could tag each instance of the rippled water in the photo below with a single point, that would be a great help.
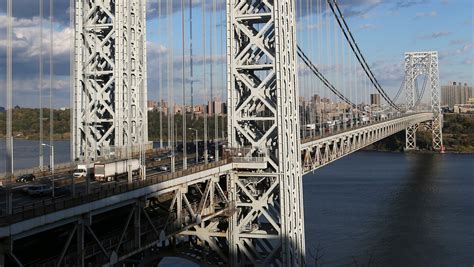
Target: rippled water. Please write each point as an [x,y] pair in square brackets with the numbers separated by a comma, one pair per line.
[26,153]
[392,209]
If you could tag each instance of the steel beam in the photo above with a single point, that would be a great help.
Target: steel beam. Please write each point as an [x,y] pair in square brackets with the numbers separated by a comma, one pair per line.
[263,118]
[109,107]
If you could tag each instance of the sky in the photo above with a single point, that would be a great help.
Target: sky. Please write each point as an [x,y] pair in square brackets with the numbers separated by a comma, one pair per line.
[384,30]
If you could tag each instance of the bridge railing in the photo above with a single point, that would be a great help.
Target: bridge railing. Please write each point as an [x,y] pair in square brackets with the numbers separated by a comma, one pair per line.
[359,126]
[32,210]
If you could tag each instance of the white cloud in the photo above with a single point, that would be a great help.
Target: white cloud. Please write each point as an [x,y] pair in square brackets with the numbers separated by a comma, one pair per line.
[426,14]
[434,35]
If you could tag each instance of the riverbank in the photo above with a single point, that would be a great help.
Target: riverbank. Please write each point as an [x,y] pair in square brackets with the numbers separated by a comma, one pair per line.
[458,131]
[458,137]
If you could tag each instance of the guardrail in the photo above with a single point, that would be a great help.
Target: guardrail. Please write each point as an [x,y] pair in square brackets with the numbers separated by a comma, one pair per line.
[348,129]
[70,166]
[28,211]
[249,160]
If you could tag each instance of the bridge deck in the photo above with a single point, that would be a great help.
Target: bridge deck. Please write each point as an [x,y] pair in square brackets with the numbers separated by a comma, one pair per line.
[109,196]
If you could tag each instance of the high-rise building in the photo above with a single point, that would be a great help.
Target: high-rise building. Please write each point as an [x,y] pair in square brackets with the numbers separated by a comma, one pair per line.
[215,107]
[456,93]
[375,100]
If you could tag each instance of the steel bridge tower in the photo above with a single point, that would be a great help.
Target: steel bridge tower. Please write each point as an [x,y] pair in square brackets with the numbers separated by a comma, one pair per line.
[109,96]
[267,227]
[416,64]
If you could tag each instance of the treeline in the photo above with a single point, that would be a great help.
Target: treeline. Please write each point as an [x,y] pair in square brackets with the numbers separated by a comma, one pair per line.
[26,125]
[196,123]
[458,136]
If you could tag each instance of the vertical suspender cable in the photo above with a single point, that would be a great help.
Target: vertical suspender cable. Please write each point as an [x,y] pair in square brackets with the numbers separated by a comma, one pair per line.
[72,77]
[41,87]
[171,80]
[51,72]
[71,85]
[223,74]
[328,61]
[211,69]
[183,87]
[160,80]
[9,104]
[319,14]
[216,117]
[170,47]
[335,48]
[304,82]
[174,135]
[204,78]
[313,85]
[191,61]
[51,114]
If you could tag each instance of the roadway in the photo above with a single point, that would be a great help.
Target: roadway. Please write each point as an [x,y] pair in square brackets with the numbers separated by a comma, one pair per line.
[64,186]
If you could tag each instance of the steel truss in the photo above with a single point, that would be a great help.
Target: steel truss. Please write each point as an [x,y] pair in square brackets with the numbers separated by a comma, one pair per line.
[416,64]
[188,214]
[323,151]
[110,94]
[268,225]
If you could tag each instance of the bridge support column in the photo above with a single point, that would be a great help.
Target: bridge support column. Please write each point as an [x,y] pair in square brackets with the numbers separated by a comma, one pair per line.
[80,243]
[109,96]
[410,137]
[5,248]
[416,64]
[137,223]
[267,226]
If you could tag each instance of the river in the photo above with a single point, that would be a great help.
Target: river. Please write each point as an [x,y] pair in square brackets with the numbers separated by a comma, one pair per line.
[392,209]
[371,208]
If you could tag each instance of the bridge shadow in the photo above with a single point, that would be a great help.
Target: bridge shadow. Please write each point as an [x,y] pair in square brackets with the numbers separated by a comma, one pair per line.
[406,234]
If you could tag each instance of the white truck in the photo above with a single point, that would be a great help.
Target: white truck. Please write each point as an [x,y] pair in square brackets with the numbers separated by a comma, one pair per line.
[310,127]
[83,170]
[108,171]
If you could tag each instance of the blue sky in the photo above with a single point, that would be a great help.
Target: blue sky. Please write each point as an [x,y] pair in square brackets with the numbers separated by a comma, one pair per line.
[383,29]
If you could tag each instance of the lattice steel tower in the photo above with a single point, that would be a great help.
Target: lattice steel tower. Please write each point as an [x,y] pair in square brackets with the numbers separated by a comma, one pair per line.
[416,64]
[109,98]
[268,225]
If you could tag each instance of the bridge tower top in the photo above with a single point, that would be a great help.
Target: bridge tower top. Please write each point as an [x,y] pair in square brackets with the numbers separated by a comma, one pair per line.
[109,98]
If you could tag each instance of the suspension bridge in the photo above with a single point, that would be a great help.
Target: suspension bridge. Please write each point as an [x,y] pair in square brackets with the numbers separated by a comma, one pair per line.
[244,205]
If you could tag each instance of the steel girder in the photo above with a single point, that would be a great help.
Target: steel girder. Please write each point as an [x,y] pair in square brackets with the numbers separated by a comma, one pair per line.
[268,225]
[321,152]
[109,102]
[424,63]
[191,213]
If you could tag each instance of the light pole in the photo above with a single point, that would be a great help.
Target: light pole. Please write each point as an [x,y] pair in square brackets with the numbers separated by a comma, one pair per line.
[196,143]
[51,157]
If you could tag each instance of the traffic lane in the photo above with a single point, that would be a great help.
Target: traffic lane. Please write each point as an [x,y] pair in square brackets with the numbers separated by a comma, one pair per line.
[20,198]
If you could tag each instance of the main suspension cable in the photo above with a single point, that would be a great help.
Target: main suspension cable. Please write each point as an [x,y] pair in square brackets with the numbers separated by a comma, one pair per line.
[321,77]
[355,48]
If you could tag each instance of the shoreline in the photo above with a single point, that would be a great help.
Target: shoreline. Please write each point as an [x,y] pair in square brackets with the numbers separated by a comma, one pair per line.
[418,151]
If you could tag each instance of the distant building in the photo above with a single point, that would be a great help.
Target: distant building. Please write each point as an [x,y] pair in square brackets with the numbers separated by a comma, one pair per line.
[215,107]
[464,108]
[375,100]
[456,94]
[2,109]
[151,105]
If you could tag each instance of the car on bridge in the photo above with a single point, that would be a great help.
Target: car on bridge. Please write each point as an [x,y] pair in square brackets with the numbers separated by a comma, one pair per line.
[26,178]
[39,190]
